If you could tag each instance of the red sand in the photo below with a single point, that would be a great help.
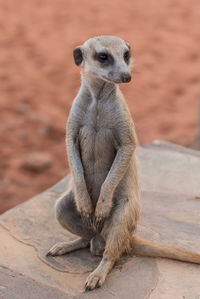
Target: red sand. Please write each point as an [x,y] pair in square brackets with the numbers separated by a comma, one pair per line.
[38,79]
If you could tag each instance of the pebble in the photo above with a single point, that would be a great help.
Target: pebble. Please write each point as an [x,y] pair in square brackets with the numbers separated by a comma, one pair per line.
[37,162]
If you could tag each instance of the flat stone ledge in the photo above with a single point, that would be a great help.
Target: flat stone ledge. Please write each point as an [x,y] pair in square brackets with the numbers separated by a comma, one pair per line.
[160,144]
[167,168]
[170,177]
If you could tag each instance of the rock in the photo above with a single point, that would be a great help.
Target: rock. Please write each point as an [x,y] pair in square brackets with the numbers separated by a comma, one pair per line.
[170,200]
[37,162]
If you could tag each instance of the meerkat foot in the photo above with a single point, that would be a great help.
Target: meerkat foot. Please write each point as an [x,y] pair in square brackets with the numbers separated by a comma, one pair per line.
[94,281]
[98,276]
[97,245]
[66,247]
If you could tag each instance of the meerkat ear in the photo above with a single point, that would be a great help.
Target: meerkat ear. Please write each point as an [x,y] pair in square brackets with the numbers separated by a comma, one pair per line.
[78,55]
[128,45]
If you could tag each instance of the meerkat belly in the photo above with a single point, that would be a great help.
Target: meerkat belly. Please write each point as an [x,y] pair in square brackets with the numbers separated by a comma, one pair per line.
[97,155]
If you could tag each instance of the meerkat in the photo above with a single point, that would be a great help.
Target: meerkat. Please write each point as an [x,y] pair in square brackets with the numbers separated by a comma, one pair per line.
[102,202]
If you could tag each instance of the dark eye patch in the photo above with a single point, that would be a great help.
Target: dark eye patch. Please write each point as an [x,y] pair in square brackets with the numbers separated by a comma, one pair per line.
[127,56]
[104,58]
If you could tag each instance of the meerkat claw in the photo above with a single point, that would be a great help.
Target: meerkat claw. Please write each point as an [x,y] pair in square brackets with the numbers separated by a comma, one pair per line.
[87,220]
[99,225]
[87,288]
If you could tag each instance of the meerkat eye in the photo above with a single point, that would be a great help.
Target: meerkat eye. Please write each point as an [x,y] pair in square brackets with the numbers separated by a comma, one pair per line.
[102,57]
[127,56]
[105,59]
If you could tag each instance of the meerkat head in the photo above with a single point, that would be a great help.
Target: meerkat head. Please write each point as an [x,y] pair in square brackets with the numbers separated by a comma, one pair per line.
[105,57]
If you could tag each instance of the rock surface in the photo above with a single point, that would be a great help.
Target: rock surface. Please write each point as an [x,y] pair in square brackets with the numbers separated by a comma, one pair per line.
[170,178]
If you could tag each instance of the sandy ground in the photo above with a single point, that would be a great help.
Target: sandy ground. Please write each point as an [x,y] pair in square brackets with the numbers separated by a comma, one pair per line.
[38,79]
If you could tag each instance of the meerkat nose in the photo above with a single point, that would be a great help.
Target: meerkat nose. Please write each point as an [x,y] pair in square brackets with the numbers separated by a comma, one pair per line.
[125,77]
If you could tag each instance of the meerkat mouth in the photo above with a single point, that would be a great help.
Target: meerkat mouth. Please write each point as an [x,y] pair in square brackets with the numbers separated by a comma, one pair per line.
[111,81]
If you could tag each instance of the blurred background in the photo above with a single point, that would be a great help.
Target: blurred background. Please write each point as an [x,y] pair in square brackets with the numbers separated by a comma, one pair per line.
[38,79]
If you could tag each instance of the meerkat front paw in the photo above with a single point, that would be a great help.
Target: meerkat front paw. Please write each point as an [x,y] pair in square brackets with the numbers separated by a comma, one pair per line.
[103,209]
[84,206]
[85,211]
[87,216]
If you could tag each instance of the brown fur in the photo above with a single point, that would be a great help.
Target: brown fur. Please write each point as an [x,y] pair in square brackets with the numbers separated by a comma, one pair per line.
[102,200]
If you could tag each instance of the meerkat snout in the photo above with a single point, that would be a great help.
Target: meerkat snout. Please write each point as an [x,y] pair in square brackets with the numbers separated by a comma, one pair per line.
[125,77]
[105,57]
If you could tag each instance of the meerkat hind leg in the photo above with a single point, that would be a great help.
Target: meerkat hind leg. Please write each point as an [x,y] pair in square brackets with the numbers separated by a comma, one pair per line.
[98,276]
[118,231]
[66,247]
[68,216]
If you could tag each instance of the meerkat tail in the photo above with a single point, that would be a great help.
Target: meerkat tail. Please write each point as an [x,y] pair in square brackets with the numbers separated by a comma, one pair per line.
[143,247]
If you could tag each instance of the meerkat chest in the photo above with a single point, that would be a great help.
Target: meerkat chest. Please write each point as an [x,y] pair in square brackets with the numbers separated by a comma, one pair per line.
[96,136]
[98,116]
